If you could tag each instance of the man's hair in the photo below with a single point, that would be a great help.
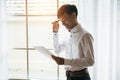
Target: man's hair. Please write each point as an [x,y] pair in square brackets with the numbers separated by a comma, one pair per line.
[67,8]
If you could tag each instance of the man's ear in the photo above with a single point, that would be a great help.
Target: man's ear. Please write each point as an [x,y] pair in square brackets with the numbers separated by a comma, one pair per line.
[74,15]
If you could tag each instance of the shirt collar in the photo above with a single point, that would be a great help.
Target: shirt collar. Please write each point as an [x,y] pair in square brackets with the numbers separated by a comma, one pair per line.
[75,29]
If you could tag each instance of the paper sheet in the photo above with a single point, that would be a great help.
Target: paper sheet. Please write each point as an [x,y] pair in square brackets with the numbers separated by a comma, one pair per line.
[44,51]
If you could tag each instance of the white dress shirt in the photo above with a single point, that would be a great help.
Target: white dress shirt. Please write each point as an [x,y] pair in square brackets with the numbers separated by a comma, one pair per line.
[78,49]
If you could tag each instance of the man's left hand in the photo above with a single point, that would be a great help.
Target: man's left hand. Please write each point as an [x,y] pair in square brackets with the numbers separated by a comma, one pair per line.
[59,60]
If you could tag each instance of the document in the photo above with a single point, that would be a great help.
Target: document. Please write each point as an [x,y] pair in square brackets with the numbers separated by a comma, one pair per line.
[44,51]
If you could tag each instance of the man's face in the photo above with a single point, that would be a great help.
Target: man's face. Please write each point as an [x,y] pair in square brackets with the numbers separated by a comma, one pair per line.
[67,20]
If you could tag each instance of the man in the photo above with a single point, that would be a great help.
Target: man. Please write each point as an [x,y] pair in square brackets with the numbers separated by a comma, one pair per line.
[78,48]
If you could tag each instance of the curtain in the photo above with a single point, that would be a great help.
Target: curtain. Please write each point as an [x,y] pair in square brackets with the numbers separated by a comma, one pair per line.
[99,17]
[3,42]
[118,42]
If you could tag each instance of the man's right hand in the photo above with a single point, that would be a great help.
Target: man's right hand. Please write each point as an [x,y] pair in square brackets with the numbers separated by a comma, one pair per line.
[55,26]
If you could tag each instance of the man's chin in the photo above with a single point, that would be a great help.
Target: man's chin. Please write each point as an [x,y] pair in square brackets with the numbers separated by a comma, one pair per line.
[68,29]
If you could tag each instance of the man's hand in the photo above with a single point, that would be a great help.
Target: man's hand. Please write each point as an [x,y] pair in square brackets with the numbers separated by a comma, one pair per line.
[59,60]
[55,26]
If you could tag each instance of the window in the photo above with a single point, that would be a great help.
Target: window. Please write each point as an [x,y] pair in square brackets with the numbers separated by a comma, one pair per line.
[29,30]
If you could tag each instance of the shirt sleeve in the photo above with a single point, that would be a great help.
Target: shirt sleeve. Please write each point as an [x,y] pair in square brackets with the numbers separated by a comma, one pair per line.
[57,45]
[86,53]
